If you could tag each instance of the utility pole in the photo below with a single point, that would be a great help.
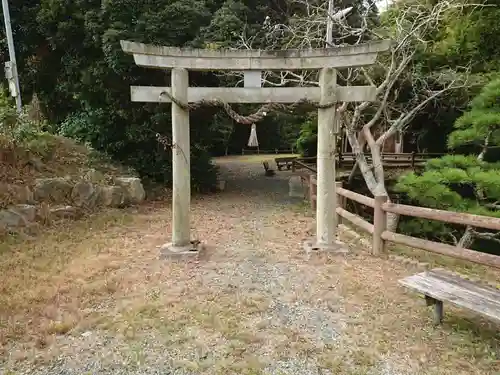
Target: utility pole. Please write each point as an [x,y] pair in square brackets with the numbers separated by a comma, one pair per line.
[11,66]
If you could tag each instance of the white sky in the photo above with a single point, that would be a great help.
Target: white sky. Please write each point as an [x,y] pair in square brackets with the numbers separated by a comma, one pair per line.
[382,4]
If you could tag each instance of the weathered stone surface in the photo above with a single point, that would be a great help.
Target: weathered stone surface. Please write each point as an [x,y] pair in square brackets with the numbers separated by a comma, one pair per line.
[85,194]
[16,194]
[133,190]
[27,210]
[56,189]
[17,216]
[37,164]
[65,212]
[112,196]
[94,176]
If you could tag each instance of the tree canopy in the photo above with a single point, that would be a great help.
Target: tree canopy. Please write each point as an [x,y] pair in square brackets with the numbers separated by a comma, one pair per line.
[68,53]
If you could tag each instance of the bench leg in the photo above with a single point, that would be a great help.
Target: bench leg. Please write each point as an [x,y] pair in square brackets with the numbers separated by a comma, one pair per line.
[438,309]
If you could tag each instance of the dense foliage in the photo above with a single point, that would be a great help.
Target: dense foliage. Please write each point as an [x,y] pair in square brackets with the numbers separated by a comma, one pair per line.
[68,52]
[462,182]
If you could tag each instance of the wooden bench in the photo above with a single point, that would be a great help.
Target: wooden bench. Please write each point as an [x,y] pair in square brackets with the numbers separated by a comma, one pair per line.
[284,162]
[440,285]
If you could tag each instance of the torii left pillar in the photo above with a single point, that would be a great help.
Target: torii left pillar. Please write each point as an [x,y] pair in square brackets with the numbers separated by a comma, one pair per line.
[181,170]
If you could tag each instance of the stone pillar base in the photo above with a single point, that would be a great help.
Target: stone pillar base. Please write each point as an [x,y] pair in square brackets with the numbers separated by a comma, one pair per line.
[311,246]
[169,251]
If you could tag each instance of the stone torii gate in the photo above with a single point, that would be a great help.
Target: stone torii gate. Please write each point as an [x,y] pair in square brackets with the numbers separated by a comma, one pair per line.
[252,62]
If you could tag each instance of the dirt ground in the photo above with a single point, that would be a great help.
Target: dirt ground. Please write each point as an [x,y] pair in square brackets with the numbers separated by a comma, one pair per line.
[93,297]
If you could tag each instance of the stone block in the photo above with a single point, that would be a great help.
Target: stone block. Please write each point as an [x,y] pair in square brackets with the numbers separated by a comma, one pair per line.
[56,189]
[17,216]
[132,188]
[112,196]
[85,194]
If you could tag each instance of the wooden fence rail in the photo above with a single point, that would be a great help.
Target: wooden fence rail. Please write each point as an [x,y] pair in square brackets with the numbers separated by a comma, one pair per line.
[258,151]
[380,233]
[390,160]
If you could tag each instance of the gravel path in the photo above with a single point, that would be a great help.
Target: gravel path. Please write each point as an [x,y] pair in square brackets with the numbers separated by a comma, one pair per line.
[253,259]
[254,303]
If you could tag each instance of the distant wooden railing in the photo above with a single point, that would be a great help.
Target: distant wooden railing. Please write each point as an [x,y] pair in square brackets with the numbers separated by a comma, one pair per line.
[390,160]
[381,235]
[258,151]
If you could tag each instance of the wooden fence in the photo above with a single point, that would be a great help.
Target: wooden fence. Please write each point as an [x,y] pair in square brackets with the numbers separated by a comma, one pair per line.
[380,233]
[390,160]
[258,151]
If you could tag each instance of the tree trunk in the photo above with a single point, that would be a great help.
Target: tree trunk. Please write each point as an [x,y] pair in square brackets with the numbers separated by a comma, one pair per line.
[467,238]
[376,186]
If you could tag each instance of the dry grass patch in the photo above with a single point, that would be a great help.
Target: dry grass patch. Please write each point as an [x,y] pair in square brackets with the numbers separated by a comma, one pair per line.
[256,303]
[47,284]
[387,322]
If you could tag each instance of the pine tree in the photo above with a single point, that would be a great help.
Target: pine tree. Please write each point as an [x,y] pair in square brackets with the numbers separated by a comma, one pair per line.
[468,181]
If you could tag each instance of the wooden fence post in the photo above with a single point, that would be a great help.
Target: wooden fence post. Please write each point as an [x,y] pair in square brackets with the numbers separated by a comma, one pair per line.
[379,225]
[340,202]
[312,191]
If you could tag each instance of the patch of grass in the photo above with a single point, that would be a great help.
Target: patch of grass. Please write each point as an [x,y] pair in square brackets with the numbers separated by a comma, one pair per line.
[436,260]
[189,309]
[68,267]
[249,365]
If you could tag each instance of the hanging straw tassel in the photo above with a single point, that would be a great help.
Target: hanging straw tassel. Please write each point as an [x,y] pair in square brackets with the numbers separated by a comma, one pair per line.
[253,141]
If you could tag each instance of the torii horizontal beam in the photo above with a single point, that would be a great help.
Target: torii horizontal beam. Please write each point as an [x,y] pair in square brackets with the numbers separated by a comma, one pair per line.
[151,94]
[224,59]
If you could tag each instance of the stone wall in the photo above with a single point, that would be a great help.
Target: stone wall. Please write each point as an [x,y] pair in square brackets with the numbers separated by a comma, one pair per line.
[56,198]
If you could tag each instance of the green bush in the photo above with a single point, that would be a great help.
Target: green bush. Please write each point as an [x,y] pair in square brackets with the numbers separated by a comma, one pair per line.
[307,143]
[136,145]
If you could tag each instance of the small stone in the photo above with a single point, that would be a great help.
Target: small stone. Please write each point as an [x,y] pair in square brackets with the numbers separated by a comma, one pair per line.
[86,334]
[133,190]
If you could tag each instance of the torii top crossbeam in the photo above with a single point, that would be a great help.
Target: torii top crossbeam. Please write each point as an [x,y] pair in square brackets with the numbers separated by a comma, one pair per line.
[225,59]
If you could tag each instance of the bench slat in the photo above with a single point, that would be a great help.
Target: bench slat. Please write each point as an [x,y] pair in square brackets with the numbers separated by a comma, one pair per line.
[443,286]
[484,291]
